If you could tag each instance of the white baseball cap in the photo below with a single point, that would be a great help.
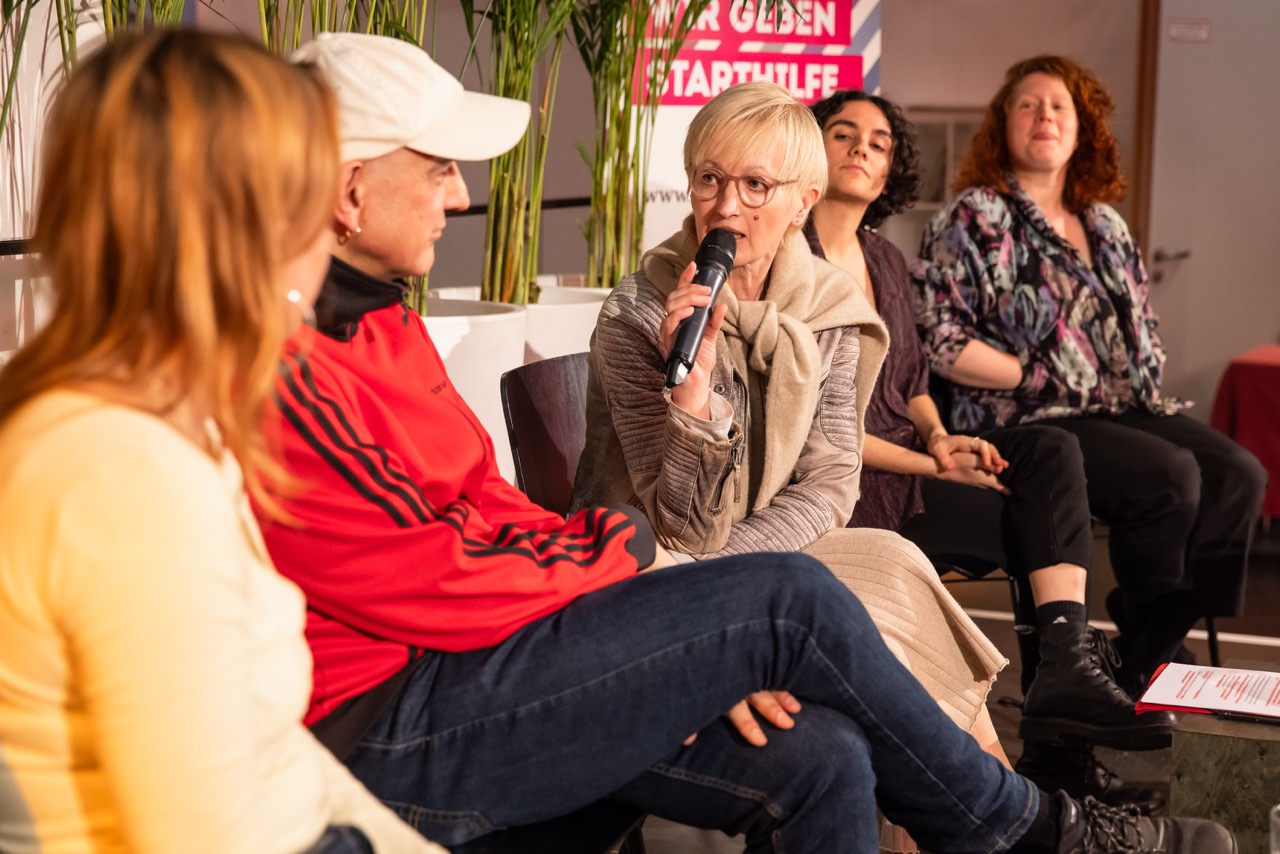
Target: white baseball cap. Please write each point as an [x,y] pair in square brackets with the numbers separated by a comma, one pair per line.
[392,95]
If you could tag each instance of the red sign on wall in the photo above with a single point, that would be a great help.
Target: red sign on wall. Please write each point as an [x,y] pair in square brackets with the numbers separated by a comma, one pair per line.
[811,22]
[807,49]
[698,76]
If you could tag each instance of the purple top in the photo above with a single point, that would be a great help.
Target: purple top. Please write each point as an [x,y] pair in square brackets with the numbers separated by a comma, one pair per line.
[993,269]
[889,499]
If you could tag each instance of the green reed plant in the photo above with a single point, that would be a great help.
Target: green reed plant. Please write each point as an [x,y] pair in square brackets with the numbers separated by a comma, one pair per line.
[615,39]
[284,23]
[619,40]
[17,19]
[522,33]
[116,15]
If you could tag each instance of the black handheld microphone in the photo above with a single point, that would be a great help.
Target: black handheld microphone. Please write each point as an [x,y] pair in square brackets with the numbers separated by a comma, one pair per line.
[714,261]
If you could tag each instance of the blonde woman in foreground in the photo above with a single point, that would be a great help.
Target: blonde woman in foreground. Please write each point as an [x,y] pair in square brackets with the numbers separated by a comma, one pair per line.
[154,672]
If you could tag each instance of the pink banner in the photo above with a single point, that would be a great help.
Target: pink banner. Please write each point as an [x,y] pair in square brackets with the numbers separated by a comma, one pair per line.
[811,22]
[698,76]
[816,48]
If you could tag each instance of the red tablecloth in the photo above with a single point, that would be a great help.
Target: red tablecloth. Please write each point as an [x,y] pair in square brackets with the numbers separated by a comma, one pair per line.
[1247,408]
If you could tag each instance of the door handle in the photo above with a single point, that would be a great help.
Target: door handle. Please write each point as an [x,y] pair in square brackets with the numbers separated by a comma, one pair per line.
[1160,256]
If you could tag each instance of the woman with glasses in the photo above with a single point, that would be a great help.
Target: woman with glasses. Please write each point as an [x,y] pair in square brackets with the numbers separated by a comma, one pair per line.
[760,447]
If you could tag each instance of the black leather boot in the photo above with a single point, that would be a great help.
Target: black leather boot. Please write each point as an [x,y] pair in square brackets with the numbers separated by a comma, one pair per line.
[1090,827]
[1074,769]
[1132,676]
[1074,696]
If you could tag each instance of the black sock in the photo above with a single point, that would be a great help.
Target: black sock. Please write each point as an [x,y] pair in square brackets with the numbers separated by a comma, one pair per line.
[1061,611]
[1046,828]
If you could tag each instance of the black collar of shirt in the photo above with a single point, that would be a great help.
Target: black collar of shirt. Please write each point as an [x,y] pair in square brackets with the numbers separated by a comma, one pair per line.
[348,295]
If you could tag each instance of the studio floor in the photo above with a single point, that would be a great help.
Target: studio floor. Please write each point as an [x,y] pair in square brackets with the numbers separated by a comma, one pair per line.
[1254,636]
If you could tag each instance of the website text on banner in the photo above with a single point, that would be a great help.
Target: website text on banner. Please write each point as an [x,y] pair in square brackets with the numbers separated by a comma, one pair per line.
[813,49]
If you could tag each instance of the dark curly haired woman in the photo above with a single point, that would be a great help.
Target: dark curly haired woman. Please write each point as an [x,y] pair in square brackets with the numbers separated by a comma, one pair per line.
[1016,496]
[1032,298]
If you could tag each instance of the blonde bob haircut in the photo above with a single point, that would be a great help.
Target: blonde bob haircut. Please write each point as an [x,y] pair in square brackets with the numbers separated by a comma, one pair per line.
[182,170]
[760,117]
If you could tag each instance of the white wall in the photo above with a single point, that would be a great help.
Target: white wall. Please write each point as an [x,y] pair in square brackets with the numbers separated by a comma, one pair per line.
[953,53]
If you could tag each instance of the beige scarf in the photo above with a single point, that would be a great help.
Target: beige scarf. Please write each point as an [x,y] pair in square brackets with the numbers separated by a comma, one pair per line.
[775,337]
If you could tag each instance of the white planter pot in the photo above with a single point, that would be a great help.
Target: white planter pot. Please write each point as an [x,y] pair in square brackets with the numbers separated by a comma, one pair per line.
[479,342]
[561,321]
[471,292]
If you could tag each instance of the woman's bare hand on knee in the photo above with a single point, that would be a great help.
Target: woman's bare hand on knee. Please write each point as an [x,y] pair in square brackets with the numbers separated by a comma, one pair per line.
[776,707]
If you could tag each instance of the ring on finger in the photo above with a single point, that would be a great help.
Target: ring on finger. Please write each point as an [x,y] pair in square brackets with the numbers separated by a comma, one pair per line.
[974,443]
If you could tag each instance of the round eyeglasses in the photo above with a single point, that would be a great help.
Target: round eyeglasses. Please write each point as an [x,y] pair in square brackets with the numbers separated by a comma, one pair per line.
[753,191]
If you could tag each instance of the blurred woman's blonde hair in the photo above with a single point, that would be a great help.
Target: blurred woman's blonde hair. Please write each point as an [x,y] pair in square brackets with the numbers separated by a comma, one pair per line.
[761,117]
[181,171]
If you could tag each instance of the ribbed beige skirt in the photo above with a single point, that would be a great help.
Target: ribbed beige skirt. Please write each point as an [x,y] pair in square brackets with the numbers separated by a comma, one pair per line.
[920,621]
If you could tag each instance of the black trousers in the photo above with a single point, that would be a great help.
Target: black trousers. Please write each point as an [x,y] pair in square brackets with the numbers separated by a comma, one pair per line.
[1182,501]
[1046,520]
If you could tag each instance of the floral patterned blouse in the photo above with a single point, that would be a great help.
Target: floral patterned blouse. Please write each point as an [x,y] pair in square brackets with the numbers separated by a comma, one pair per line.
[993,269]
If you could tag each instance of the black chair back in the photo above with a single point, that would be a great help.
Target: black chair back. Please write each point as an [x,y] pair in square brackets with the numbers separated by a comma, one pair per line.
[545,407]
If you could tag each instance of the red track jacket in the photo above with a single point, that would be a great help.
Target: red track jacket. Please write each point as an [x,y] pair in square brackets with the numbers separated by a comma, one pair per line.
[408,536]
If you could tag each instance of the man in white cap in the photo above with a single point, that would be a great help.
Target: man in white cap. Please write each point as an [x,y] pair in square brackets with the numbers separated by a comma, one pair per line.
[482,663]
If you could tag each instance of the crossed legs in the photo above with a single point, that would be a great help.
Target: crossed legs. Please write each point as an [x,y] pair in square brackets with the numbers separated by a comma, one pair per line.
[597,698]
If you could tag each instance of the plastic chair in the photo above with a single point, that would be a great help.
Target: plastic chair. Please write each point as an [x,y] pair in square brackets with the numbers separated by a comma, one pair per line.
[544,404]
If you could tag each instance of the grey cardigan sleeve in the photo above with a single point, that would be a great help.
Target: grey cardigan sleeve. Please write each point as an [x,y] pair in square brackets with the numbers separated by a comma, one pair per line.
[679,475]
[824,486]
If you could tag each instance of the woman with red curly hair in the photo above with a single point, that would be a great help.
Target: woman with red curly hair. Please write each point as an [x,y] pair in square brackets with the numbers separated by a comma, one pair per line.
[1032,300]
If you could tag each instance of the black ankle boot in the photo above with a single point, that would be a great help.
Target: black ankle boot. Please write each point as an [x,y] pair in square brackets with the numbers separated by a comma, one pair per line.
[1074,769]
[1133,676]
[1075,697]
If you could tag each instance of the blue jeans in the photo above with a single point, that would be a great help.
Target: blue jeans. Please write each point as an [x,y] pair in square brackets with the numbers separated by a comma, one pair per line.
[596,699]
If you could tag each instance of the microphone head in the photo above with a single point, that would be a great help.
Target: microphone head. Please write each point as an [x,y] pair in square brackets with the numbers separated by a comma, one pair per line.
[718,247]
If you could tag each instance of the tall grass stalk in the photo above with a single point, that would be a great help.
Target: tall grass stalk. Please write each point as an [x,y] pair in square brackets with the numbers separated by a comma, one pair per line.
[137,14]
[116,14]
[11,10]
[522,33]
[285,23]
[619,41]
[15,21]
